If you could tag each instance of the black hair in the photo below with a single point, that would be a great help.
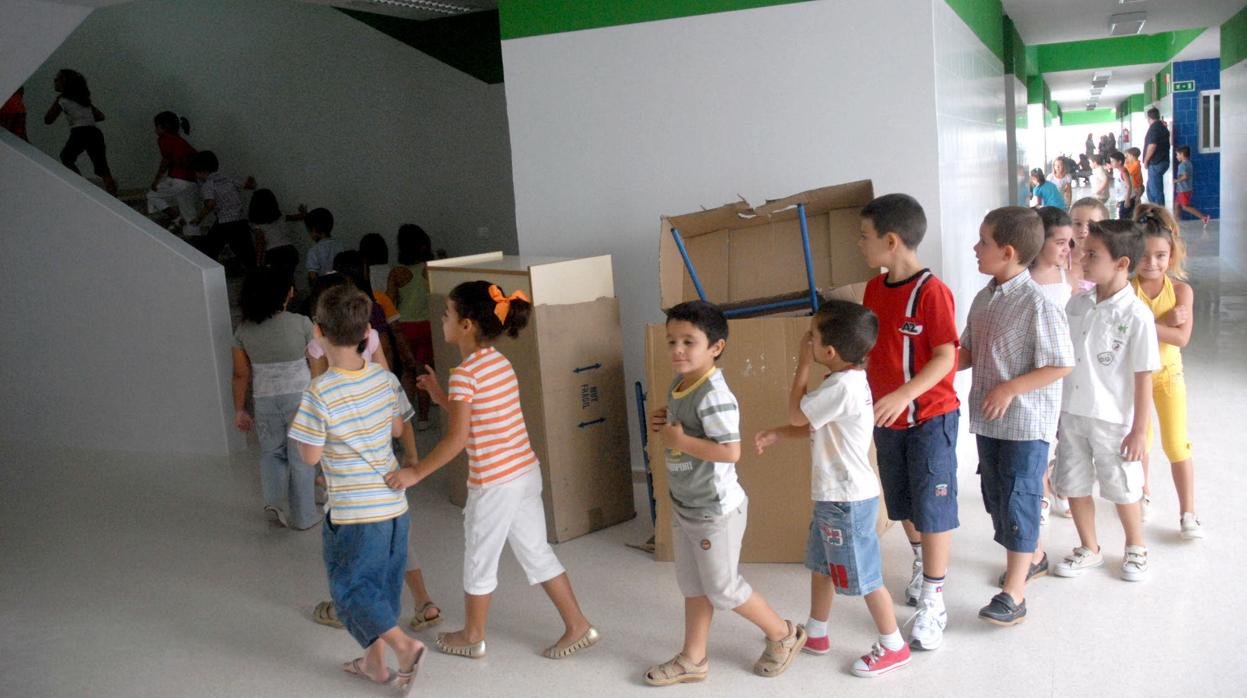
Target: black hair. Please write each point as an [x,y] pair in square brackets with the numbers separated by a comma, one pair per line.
[374,249]
[264,294]
[704,316]
[1122,238]
[74,86]
[320,220]
[473,301]
[1153,113]
[1135,152]
[263,208]
[172,122]
[849,328]
[351,265]
[1117,156]
[414,245]
[900,214]
[343,313]
[1185,150]
[1017,227]
[1039,173]
[205,161]
[1052,217]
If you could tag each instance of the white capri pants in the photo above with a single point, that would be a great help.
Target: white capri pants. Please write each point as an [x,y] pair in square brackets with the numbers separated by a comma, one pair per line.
[171,192]
[494,516]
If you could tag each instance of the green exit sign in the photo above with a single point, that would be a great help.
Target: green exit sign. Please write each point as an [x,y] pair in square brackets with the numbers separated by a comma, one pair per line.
[1184,86]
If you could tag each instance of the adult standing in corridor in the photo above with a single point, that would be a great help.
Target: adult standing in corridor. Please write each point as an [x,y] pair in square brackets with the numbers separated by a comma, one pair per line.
[1156,156]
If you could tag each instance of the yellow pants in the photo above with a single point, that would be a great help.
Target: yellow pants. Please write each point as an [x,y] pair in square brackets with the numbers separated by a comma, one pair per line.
[1169,397]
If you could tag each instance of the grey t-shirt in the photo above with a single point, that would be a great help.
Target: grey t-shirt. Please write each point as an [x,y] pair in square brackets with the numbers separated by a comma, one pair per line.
[707,410]
[283,337]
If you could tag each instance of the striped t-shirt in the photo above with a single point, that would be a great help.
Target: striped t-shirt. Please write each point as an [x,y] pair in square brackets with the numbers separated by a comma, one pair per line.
[498,448]
[707,409]
[351,414]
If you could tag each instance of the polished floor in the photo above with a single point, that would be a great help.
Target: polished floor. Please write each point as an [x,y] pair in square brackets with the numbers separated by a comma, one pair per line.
[157,576]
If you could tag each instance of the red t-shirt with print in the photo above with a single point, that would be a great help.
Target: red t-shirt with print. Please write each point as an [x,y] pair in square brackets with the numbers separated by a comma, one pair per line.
[915,316]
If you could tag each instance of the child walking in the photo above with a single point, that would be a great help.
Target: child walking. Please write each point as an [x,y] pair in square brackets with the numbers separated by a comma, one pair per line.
[223,196]
[1106,400]
[1159,285]
[911,372]
[269,358]
[700,429]
[504,476]
[319,224]
[408,285]
[1123,185]
[1017,342]
[274,243]
[346,420]
[73,99]
[174,185]
[842,552]
[1184,186]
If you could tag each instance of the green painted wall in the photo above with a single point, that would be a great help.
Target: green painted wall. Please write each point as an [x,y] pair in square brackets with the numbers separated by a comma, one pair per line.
[1234,39]
[1015,49]
[1082,118]
[1121,50]
[1163,80]
[521,18]
[984,19]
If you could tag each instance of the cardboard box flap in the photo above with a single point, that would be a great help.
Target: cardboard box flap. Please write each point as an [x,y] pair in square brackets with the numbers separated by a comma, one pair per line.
[734,215]
[849,195]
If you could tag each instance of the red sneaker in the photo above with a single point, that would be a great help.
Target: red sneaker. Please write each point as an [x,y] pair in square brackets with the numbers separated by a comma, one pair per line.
[817,645]
[880,661]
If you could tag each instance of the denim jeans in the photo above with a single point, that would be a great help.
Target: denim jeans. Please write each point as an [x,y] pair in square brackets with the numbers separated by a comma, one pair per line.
[286,481]
[1156,182]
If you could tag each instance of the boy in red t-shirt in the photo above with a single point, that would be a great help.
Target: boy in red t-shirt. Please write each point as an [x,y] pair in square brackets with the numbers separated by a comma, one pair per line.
[910,372]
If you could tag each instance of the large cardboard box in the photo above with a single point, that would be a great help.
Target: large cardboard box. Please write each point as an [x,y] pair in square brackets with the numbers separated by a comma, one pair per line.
[569,363]
[744,255]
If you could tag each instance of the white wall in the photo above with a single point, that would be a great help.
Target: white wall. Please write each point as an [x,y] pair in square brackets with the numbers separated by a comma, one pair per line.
[97,355]
[318,106]
[1234,165]
[1036,139]
[612,127]
[29,31]
[973,149]
[1016,139]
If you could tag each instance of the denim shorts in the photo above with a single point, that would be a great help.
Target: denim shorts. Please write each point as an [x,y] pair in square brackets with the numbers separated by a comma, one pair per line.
[1011,475]
[918,470]
[844,545]
[365,562]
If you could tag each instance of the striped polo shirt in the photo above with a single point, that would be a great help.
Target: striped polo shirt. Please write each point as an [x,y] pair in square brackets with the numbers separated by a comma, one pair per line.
[351,414]
[498,447]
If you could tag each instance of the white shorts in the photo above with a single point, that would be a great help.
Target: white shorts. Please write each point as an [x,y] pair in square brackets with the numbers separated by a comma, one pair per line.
[1090,451]
[171,192]
[513,513]
[707,557]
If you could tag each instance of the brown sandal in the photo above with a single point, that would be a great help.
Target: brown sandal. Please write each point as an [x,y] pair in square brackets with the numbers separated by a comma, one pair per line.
[325,615]
[678,670]
[421,619]
[778,655]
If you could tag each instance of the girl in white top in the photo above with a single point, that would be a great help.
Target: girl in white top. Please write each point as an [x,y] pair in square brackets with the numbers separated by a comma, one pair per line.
[1049,272]
[73,99]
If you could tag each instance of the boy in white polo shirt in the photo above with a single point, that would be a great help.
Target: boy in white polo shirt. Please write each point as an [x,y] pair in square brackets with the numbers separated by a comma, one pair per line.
[1106,401]
[842,551]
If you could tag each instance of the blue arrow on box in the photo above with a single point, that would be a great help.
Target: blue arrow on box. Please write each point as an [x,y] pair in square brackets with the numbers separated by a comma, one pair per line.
[582,369]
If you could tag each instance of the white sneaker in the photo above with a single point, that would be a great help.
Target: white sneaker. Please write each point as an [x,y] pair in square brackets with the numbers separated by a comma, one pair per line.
[1060,507]
[929,622]
[1076,563]
[914,590]
[1191,529]
[1145,507]
[1134,566]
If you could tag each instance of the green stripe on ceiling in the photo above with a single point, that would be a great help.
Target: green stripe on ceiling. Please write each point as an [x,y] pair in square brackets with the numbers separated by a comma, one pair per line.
[1136,103]
[521,18]
[984,19]
[1234,39]
[1015,49]
[1121,50]
[1083,118]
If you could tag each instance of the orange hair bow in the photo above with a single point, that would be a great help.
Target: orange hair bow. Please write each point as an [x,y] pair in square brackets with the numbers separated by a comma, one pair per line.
[502,304]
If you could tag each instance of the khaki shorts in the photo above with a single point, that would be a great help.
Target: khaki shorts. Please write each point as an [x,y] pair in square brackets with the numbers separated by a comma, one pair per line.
[707,557]
[1090,451]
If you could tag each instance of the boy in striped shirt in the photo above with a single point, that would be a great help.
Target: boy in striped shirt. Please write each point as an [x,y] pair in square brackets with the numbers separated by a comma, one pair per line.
[346,420]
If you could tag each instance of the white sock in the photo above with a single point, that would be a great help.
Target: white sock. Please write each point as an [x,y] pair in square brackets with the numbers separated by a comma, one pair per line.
[892,641]
[933,589]
[816,628]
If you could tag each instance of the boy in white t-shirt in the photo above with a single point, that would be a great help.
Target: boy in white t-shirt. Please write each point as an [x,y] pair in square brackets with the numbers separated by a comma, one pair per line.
[839,418]
[1106,401]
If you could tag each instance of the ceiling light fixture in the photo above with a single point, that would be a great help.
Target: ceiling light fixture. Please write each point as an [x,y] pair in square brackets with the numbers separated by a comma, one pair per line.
[1126,23]
[445,8]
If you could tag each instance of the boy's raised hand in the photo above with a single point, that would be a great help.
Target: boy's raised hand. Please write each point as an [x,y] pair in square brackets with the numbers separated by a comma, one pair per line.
[765,439]
[807,349]
[658,419]
[427,382]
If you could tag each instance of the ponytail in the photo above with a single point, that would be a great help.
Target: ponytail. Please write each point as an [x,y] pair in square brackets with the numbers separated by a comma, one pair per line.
[490,309]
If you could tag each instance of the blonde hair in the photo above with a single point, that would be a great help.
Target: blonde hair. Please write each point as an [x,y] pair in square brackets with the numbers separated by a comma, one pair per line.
[1090,202]
[1157,221]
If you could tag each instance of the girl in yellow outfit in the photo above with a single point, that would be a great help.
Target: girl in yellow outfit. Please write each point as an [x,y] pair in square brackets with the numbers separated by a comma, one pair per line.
[1158,284]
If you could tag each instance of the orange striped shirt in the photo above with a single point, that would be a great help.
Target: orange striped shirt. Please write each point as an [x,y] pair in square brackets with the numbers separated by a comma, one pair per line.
[498,447]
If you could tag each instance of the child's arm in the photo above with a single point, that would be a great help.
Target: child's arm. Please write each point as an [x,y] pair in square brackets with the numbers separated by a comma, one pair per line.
[408,440]
[893,405]
[1135,444]
[53,112]
[765,439]
[796,417]
[300,215]
[396,427]
[1174,327]
[242,379]
[209,205]
[460,415]
[261,245]
[428,383]
[997,400]
[675,439]
[398,278]
[96,113]
[309,453]
[964,358]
